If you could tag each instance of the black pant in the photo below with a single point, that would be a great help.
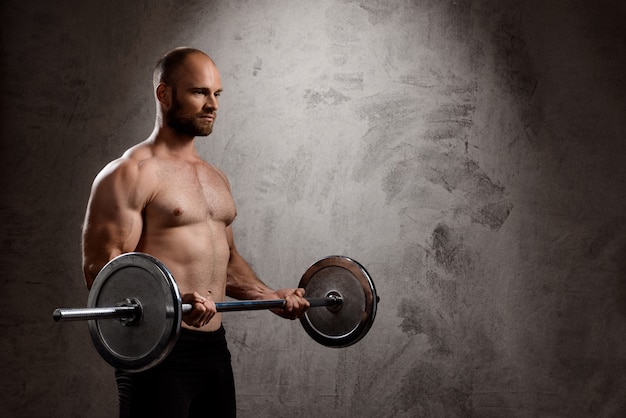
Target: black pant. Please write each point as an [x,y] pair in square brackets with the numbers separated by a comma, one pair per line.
[195,380]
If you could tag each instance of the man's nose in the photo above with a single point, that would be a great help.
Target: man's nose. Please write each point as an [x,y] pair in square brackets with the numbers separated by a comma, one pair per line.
[211,102]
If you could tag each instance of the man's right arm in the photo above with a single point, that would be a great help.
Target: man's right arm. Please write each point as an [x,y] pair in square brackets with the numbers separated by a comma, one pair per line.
[113,221]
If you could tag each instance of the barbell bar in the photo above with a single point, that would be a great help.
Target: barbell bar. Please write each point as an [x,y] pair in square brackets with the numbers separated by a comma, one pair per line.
[131,309]
[140,291]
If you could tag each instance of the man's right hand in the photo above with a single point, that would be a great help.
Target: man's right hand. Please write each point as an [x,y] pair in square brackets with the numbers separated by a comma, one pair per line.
[202,312]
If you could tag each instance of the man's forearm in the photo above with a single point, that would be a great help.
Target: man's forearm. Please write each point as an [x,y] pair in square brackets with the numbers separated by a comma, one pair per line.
[242,283]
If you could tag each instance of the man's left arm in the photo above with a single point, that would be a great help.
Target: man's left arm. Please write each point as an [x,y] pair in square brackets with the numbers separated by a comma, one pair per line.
[242,283]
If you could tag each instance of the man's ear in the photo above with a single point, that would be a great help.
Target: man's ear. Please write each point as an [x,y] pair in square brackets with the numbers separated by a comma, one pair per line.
[164,95]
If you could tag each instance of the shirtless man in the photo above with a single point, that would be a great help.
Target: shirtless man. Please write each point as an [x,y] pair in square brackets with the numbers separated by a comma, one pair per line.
[161,198]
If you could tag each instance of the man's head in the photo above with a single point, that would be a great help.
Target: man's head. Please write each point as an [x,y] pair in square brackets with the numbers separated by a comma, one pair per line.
[187,85]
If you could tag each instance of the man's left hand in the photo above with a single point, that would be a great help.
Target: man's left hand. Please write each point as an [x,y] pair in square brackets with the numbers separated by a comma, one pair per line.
[295,305]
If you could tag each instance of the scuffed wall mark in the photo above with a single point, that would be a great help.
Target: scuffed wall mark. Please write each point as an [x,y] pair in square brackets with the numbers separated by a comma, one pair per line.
[513,61]
[379,11]
[444,247]
[269,225]
[427,391]
[450,121]
[479,198]
[295,172]
[449,252]
[452,113]
[350,81]
[443,289]
[485,202]
[287,178]
[492,214]
[515,67]
[387,110]
[480,182]
[415,80]
[462,90]
[417,319]
[412,323]
[609,241]
[446,132]
[393,129]
[418,385]
[258,66]
[396,180]
[459,19]
[240,341]
[330,97]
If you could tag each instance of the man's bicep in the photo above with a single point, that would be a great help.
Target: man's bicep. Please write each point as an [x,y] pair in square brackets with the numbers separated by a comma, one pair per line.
[113,224]
[105,237]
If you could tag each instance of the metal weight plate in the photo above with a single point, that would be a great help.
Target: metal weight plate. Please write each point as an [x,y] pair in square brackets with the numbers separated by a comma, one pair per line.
[345,325]
[144,344]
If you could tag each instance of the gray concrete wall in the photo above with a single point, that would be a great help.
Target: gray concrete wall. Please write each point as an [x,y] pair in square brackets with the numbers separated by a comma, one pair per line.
[471,154]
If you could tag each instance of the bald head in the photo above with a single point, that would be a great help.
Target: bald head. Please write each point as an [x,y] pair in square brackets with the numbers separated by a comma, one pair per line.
[168,67]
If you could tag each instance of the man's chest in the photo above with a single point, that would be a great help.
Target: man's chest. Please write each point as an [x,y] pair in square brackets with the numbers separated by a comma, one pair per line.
[188,194]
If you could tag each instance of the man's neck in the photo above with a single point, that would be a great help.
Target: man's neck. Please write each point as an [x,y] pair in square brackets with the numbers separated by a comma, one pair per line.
[175,144]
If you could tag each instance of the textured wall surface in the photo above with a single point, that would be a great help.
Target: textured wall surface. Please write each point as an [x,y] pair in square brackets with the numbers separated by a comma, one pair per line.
[471,154]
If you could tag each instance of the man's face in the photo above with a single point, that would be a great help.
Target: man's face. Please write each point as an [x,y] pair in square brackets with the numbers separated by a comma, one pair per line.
[189,120]
[194,98]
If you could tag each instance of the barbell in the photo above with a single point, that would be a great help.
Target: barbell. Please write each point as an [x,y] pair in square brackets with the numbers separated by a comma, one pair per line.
[140,292]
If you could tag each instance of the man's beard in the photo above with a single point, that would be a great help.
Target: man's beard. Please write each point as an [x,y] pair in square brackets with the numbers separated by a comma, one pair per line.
[186,123]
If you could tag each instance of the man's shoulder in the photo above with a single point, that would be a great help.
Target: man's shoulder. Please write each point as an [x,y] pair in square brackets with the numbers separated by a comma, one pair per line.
[135,162]
[138,153]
